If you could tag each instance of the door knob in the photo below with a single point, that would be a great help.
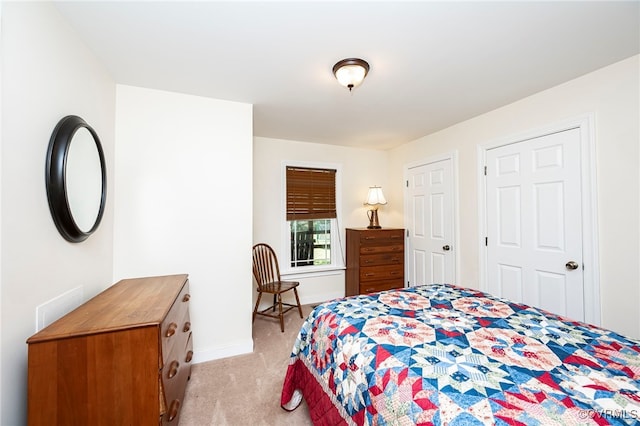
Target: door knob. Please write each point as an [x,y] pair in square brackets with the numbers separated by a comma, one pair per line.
[446,248]
[571,265]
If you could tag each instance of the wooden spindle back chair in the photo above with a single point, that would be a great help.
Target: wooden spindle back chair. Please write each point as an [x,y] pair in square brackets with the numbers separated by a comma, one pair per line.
[267,274]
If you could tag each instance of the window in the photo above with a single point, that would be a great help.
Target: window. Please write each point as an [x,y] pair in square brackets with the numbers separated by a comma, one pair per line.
[310,242]
[311,215]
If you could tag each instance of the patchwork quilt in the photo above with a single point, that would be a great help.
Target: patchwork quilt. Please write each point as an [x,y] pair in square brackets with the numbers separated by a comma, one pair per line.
[444,355]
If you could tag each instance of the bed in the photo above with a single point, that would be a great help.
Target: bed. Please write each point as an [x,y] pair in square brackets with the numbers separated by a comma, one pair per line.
[445,355]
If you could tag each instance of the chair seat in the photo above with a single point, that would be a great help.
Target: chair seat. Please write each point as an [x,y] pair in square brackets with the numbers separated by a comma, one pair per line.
[278,286]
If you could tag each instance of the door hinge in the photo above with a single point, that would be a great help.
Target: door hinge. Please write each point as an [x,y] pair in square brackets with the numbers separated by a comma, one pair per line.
[486,241]
[407,184]
[485,170]
[407,233]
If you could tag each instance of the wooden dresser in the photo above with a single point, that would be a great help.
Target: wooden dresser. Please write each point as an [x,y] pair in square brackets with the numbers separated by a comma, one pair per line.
[375,260]
[122,358]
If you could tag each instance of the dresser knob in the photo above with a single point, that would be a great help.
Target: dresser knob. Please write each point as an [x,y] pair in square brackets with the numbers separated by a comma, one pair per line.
[171,330]
[187,326]
[186,297]
[173,409]
[173,369]
[189,356]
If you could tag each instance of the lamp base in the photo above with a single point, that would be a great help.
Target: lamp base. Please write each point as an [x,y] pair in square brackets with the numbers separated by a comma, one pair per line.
[373,219]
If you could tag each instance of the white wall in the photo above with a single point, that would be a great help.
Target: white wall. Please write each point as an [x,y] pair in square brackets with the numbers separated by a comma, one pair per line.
[184,205]
[47,73]
[177,151]
[612,95]
[361,168]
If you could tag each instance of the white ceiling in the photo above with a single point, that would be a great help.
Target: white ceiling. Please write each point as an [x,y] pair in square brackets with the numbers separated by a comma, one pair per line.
[433,64]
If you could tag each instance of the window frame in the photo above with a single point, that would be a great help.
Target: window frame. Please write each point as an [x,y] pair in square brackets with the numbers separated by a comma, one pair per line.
[337,259]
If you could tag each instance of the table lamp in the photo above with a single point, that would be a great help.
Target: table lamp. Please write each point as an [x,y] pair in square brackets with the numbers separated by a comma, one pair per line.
[375,198]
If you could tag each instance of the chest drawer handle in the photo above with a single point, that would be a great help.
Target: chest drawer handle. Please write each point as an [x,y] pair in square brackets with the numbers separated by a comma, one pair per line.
[173,369]
[395,273]
[189,356]
[186,297]
[171,330]
[187,326]
[173,409]
[369,274]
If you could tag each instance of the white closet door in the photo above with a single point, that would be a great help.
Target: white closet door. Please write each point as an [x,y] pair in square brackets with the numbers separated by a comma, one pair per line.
[534,223]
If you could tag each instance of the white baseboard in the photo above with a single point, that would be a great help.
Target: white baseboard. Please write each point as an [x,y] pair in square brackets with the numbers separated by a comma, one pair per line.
[315,299]
[223,352]
[247,346]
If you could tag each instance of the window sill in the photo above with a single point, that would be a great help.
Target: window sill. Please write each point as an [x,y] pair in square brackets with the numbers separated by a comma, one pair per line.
[320,271]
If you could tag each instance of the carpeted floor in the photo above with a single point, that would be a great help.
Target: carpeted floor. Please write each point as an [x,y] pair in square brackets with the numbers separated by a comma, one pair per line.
[245,390]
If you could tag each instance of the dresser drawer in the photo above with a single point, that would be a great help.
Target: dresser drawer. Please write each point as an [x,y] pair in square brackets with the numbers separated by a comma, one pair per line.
[381,259]
[176,326]
[375,286]
[175,375]
[390,248]
[384,272]
[177,342]
[382,236]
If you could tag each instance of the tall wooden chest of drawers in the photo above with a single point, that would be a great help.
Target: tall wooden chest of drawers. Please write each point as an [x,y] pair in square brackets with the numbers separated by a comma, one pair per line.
[122,358]
[375,260]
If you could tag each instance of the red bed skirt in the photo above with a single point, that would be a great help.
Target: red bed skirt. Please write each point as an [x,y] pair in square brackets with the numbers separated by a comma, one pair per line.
[321,408]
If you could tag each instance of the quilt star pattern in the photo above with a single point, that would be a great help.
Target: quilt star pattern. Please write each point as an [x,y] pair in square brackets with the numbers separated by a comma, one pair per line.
[444,355]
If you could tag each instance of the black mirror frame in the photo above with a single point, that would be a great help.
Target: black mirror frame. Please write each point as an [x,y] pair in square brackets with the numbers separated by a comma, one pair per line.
[55,175]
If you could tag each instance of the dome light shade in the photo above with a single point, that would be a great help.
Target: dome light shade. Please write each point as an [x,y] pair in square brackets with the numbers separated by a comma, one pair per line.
[351,72]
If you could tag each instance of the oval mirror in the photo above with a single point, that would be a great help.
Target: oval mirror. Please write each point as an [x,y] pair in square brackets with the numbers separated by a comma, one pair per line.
[75,178]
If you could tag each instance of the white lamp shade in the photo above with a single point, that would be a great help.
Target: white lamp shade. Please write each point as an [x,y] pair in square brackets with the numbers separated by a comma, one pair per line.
[375,197]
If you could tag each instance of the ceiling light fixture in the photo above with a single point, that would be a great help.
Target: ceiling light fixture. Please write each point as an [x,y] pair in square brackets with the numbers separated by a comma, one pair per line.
[351,72]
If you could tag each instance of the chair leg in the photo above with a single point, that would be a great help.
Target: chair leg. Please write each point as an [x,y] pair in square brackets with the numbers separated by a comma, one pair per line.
[280,312]
[295,291]
[274,302]
[256,308]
